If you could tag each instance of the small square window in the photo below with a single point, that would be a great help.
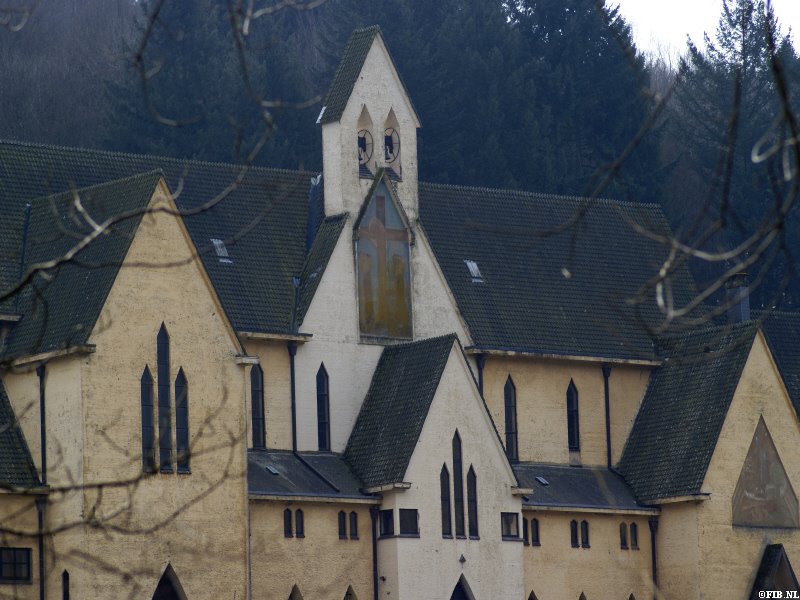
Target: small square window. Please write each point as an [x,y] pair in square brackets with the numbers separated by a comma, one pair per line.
[510,525]
[15,564]
[387,523]
[409,521]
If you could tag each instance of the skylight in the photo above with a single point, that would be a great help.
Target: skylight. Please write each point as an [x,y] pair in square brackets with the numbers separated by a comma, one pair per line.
[542,480]
[272,470]
[474,271]
[222,251]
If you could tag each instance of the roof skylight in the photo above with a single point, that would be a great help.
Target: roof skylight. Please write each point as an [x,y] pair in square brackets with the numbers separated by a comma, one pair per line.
[474,271]
[222,251]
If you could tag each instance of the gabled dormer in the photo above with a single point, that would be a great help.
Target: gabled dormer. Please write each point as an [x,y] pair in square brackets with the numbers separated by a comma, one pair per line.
[368,123]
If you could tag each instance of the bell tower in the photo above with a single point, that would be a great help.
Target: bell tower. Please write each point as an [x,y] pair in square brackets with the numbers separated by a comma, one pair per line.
[368,124]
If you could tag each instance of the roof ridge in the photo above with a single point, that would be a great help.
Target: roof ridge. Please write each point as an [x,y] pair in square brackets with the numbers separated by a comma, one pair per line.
[541,195]
[119,153]
[104,184]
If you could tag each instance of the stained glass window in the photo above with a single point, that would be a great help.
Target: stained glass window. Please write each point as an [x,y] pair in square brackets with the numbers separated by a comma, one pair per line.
[384,281]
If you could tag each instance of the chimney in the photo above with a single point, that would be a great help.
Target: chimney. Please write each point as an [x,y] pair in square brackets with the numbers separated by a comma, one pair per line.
[737,298]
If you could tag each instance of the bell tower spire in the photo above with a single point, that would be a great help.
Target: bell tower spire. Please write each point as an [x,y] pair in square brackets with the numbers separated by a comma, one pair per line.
[368,123]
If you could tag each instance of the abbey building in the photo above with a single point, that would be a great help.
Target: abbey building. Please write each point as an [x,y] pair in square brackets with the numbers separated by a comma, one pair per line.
[233,383]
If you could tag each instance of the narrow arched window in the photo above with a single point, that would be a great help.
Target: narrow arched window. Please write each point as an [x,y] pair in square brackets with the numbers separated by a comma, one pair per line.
[444,487]
[535,532]
[350,594]
[458,485]
[353,525]
[525,540]
[257,406]
[634,536]
[299,525]
[584,534]
[573,426]
[623,536]
[65,585]
[148,429]
[573,534]
[164,415]
[582,596]
[287,523]
[342,525]
[510,393]
[182,421]
[472,502]
[323,411]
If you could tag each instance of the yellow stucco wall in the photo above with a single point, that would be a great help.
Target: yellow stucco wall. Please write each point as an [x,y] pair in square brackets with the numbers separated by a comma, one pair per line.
[557,571]
[541,386]
[274,360]
[320,564]
[197,521]
[730,555]
[18,529]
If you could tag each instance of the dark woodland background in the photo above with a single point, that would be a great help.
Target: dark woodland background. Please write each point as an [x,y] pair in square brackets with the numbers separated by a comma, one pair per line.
[540,95]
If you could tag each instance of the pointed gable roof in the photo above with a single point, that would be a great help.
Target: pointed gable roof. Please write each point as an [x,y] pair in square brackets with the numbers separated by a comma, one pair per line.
[677,427]
[548,289]
[262,216]
[390,421]
[61,309]
[355,53]
[774,573]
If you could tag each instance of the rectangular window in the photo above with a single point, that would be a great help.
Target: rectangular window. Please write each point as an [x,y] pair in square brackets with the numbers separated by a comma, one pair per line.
[353,525]
[387,523]
[573,534]
[534,532]
[409,521]
[634,536]
[510,525]
[15,564]
[585,534]
[525,531]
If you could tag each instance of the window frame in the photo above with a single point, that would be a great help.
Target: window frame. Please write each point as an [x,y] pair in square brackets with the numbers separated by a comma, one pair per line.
[534,525]
[585,534]
[299,524]
[353,522]
[444,497]
[148,422]
[573,418]
[623,536]
[182,450]
[472,504]
[342,522]
[458,487]
[258,420]
[573,534]
[634,536]
[21,557]
[163,385]
[409,513]
[505,533]
[386,523]
[510,413]
[288,530]
[323,410]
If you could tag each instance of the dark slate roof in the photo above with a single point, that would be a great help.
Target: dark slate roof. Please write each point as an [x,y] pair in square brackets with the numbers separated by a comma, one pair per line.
[302,474]
[394,411]
[684,408]
[355,53]
[575,487]
[774,573]
[327,235]
[263,220]
[525,302]
[16,465]
[782,330]
[62,305]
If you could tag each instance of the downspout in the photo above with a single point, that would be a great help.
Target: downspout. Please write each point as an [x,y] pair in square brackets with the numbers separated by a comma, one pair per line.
[480,362]
[41,502]
[653,523]
[291,346]
[40,371]
[606,374]
[373,513]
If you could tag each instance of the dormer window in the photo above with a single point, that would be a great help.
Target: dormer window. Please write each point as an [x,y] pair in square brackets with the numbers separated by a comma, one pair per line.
[474,271]
[222,251]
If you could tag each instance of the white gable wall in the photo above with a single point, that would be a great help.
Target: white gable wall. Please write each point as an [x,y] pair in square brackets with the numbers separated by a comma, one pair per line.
[429,566]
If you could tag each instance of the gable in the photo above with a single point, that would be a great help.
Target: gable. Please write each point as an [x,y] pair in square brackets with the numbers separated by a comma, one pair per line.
[676,430]
[764,496]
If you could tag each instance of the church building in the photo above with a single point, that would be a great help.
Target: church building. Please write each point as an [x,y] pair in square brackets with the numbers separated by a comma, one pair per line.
[231,382]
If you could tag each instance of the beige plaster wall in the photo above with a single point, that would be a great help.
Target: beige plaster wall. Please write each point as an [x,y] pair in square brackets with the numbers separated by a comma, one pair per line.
[542,409]
[379,89]
[678,551]
[730,555]
[320,564]
[429,567]
[197,521]
[557,571]
[274,360]
[18,529]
